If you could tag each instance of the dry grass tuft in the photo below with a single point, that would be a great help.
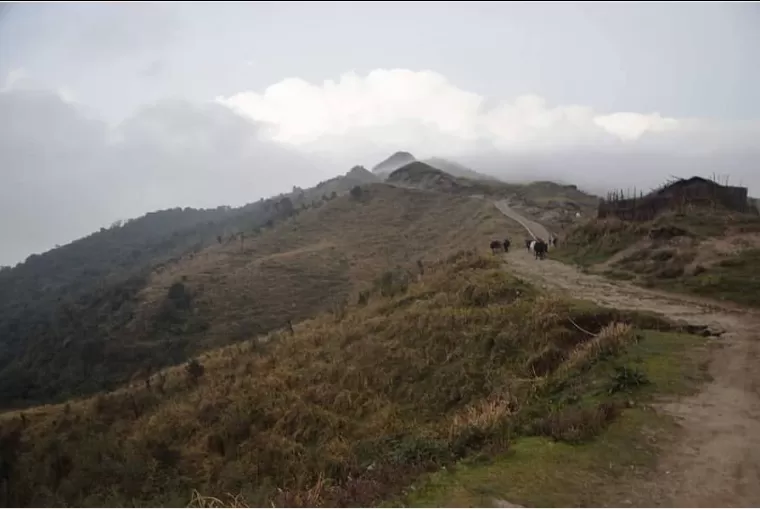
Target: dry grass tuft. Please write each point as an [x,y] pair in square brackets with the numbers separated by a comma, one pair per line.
[610,341]
[199,500]
[484,416]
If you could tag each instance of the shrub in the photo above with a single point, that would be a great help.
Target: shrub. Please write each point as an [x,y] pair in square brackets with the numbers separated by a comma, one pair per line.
[626,379]
[576,424]
[194,370]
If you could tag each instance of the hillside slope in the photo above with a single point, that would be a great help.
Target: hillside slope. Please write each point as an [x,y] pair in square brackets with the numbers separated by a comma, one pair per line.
[56,305]
[709,252]
[357,176]
[556,206]
[691,442]
[307,261]
[456,169]
[351,407]
[322,258]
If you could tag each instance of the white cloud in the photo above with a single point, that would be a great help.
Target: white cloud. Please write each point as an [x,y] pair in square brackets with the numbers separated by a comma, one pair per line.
[423,109]
[13,78]
[66,95]
[631,126]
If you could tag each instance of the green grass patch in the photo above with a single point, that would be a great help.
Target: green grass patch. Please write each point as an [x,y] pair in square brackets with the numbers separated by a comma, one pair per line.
[735,279]
[597,241]
[541,472]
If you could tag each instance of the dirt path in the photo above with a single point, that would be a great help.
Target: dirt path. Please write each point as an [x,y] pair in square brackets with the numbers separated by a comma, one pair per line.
[717,461]
[533,228]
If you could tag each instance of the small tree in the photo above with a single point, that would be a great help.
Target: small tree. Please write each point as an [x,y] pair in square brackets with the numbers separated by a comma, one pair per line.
[179,295]
[194,370]
[356,192]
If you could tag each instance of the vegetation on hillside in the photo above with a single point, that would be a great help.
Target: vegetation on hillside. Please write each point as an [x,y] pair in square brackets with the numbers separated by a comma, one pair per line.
[456,169]
[553,204]
[538,471]
[453,359]
[331,188]
[708,252]
[63,312]
[58,310]
[424,176]
[88,316]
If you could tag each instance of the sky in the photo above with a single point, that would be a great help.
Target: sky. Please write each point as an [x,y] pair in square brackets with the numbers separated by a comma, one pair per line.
[112,110]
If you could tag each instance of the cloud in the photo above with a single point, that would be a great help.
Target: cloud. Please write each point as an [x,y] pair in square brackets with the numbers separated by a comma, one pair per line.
[631,126]
[155,68]
[65,173]
[427,110]
[13,78]
[120,29]
[519,138]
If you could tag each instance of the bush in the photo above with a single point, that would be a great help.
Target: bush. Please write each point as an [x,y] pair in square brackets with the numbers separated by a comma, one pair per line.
[179,296]
[392,283]
[576,424]
[194,370]
[626,379]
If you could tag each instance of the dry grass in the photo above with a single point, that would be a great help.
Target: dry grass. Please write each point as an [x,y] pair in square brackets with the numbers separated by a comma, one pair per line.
[230,500]
[703,252]
[346,411]
[610,341]
[483,416]
[319,259]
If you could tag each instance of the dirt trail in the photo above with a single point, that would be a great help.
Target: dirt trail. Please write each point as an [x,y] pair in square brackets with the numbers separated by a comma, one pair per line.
[717,461]
[533,228]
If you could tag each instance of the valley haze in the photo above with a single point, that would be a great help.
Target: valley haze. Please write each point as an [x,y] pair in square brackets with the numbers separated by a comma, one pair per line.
[110,111]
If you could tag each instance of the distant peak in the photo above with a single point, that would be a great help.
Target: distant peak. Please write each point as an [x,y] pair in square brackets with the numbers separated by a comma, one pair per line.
[358,170]
[394,162]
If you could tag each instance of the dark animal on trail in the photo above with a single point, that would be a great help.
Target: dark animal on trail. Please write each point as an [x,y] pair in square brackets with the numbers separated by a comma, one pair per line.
[495,246]
[539,249]
[506,245]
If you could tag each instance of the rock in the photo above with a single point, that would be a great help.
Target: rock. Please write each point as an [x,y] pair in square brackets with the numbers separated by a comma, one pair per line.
[703,330]
[503,503]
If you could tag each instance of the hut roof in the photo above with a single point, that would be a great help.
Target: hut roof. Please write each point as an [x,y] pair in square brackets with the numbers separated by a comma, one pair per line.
[686,182]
